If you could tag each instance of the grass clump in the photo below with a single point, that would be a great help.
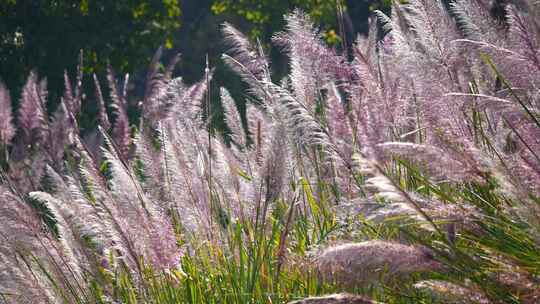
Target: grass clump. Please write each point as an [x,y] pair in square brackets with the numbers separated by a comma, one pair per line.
[409,174]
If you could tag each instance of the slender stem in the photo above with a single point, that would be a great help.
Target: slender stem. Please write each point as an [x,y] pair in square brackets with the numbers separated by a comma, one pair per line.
[209,126]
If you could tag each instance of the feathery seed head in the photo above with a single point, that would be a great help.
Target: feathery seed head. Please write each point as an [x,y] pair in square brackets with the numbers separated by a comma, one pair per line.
[358,264]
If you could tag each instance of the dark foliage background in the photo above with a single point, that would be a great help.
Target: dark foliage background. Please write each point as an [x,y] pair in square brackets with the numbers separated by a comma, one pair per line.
[46,36]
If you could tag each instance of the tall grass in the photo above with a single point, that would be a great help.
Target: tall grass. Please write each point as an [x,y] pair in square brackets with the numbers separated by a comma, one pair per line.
[409,174]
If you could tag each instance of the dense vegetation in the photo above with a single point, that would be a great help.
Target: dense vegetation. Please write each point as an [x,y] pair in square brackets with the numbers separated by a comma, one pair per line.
[404,169]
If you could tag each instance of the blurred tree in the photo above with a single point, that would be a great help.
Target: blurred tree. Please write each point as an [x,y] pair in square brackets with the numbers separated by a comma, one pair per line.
[266,16]
[47,35]
[263,18]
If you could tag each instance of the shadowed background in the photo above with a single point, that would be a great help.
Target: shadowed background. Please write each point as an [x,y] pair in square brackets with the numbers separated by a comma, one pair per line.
[46,36]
